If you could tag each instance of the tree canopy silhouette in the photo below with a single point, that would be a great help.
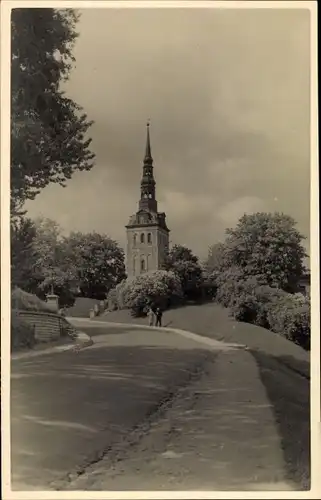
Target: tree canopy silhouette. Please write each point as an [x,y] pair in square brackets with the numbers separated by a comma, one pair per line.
[48,129]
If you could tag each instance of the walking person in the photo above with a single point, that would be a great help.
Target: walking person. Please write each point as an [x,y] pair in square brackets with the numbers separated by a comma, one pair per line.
[159,315]
[151,316]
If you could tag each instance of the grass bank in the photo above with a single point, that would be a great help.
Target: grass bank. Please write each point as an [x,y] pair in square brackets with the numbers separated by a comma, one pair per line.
[213,321]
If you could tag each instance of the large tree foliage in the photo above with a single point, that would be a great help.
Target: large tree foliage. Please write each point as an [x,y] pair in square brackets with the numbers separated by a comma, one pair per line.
[23,255]
[185,265]
[267,246]
[99,262]
[180,252]
[215,258]
[39,261]
[48,129]
[43,260]
[58,271]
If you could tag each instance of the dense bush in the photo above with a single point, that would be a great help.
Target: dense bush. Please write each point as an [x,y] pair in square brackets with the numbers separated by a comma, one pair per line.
[257,271]
[232,282]
[209,284]
[291,317]
[253,301]
[66,296]
[161,288]
[22,333]
[27,301]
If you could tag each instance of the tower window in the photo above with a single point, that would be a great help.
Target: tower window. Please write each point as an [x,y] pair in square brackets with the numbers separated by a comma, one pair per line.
[142,265]
[135,239]
[142,238]
[149,238]
[150,196]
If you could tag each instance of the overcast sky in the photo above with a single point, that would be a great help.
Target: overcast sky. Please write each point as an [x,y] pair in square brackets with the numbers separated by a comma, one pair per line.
[227,93]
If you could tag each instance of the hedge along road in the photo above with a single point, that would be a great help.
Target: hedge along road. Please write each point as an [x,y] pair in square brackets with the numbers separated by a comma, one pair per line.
[73,414]
[67,408]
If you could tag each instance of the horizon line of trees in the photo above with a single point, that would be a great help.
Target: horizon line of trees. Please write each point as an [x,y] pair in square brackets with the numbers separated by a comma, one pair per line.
[262,245]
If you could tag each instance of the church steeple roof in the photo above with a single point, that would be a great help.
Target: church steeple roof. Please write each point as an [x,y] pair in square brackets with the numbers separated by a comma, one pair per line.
[148,153]
[147,186]
[147,214]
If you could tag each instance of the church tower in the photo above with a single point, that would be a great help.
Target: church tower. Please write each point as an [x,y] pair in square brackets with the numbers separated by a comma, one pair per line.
[147,232]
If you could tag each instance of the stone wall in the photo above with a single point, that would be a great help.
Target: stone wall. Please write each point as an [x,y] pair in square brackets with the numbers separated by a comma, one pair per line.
[48,326]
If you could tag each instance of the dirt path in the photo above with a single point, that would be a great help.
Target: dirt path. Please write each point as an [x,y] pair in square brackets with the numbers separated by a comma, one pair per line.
[220,433]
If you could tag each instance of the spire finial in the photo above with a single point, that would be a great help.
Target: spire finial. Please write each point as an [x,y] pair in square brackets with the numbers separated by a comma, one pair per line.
[148,153]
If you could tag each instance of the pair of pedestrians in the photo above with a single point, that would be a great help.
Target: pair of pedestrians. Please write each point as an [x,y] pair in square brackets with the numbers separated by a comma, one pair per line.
[155,315]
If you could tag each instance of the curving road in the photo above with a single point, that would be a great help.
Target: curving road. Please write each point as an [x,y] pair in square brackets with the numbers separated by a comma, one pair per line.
[149,409]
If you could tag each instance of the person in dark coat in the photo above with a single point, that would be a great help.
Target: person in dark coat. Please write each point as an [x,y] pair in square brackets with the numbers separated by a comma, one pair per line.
[159,315]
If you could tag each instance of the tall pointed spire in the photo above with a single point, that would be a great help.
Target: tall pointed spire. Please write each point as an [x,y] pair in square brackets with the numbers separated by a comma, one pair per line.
[147,185]
[148,153]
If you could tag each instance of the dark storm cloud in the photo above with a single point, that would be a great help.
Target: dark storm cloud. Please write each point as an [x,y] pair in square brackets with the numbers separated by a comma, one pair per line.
[227,93]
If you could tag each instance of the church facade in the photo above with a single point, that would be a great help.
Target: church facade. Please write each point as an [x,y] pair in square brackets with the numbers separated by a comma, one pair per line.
[147,232]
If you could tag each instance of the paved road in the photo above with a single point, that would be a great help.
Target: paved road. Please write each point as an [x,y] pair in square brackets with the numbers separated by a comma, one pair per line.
[68,407]
[145,409]
[242,425]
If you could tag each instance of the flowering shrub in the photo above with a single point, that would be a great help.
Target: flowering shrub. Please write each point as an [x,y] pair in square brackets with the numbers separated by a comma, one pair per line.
[228,285]
[291,317]
[232,283]
[159,287]
[253,302]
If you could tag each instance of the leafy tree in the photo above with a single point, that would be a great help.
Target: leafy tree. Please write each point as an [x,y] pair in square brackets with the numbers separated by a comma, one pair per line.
[54,264]
[180,252]
[24,255]
[48,129]
[99,262]
[39,262]
[215,258]
[267,246]
[185,265]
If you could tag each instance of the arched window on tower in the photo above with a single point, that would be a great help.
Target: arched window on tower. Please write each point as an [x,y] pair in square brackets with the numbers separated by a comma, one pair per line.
[135,238]
[142,238]
[142,265]
[149,238]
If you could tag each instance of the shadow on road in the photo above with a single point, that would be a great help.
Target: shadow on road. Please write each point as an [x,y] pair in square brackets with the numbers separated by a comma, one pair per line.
[290,395]
[220,434]
[66,408]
